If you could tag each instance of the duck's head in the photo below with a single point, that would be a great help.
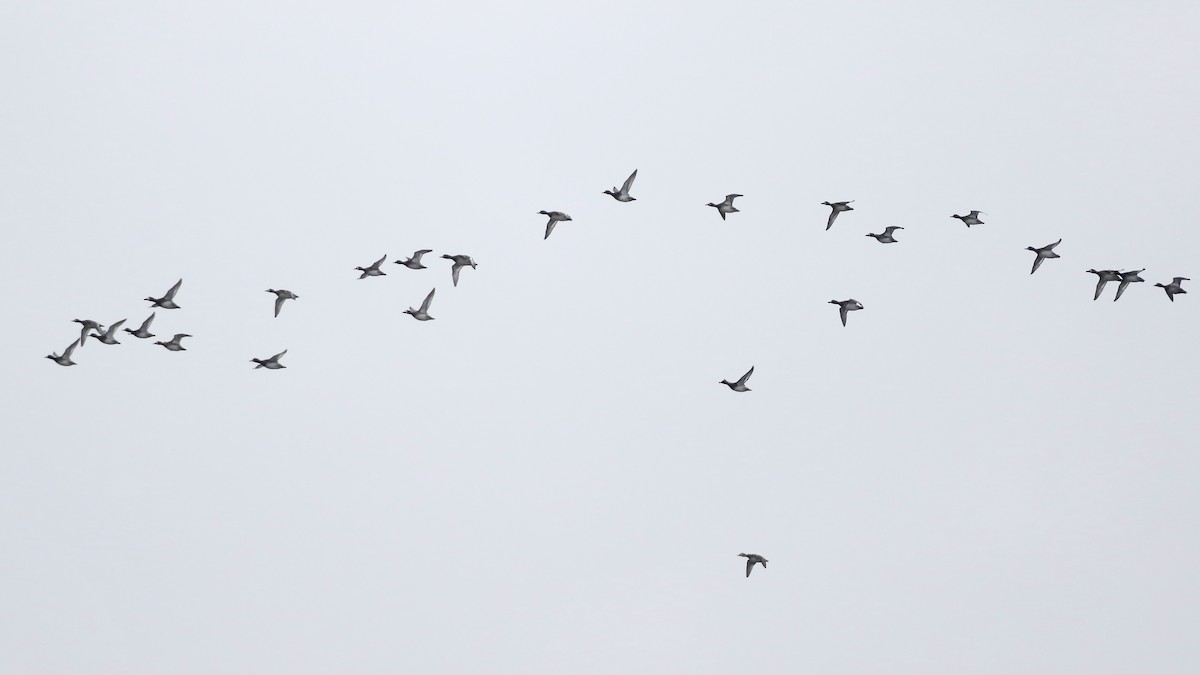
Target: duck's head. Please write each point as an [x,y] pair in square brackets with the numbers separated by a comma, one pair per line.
[271,290]
[612,192]
[1030,248]
[834,302]
[743,555]
[1092,272]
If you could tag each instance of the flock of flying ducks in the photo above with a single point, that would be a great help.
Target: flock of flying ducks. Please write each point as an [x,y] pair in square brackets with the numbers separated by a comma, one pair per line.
[725,208]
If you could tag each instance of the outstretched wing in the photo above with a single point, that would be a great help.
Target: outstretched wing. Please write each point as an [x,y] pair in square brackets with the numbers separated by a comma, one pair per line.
[428,299]
[832,217]
[146,324]
[629,181]
[380,261]
[277,356]
[70,349]
[454,273]
[749,565]
[549,228]
[279,304]
[843,311]
[174,289]
[1037,262]
[417,254]
[113,328]
[745,377]
[1100,288]
[1050,247]
[1121,289]
[729,199]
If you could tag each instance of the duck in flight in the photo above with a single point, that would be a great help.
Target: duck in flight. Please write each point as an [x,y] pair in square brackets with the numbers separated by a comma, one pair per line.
[175,343]
[1174,288]
[556,217]
[725,207]
[88,327]
[622,195]
[740,385]
[414,263]
[167,301]
[373,270]
[280,296]
[460,261]
[835,209]
[65,359]
[971,218]
[1127,278]
[751,559]
[1042,253]
[886,236]
[144,330]
[423,313]
[107,337]
[271,363]
[846,306]
[1103,277]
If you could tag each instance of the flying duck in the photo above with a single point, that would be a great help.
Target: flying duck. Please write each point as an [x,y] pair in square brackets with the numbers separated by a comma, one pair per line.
[460,261]
[167,301]
[846,306]
[886,237]
[144,330]
[835,209]
[414,263]
[174,345]
[373,270]
[971,218]
[752,558]
[1104,276]
[271,363]
[740,385]
[65,359]
[423,313]
[107,337]
[556,217]
[725,207]
[622,195]
[1042,253]
[280,296]
[88,326]
[1126,279]
[1174,288]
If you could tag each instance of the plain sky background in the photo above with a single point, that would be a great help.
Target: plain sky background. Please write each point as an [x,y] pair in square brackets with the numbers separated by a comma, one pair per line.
[985,472]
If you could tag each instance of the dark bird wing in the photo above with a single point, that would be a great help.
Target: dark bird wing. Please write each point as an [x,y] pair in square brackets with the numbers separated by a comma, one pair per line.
[549,228]
[1037,262]
[428,299]
[832,217]
[745,377]
[70,349]
[629,182]
[279,304]
[843,311]
[174,289]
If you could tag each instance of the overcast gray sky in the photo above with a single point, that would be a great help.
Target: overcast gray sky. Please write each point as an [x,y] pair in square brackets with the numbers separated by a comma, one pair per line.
[985,472]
